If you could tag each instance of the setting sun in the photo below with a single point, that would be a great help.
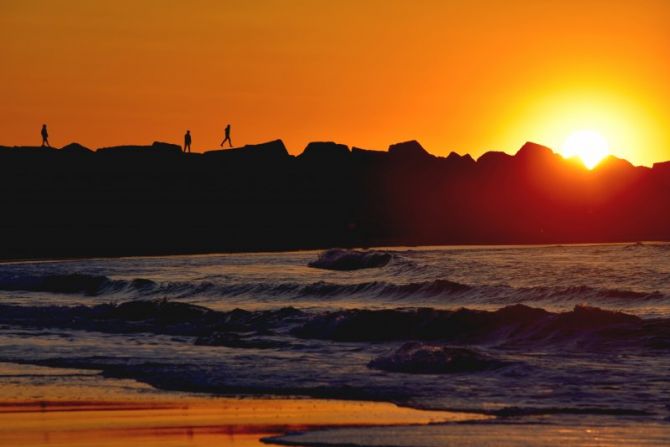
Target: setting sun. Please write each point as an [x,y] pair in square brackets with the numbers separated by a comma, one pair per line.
[589,146]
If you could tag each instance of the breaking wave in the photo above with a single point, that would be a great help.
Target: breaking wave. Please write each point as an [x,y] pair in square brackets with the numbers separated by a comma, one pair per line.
[339,259]
[101,286]
[511,326]
[430,358]
[81,283]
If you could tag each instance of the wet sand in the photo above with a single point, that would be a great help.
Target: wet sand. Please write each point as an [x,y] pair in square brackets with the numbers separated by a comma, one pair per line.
[60,407]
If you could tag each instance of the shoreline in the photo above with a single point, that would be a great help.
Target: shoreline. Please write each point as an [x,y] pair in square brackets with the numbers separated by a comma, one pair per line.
[43,406]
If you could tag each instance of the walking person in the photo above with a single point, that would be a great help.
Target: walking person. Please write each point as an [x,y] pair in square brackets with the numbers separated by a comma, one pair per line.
[187,141]
[45,136]
[227,138]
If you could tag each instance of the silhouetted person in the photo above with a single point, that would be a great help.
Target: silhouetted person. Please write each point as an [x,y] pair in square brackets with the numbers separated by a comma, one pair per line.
[187,141]
[227,137]
[45,136]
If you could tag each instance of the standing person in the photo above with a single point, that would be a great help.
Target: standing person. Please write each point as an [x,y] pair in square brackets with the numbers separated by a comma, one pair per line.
[187,141]
[45,136]
[230,142]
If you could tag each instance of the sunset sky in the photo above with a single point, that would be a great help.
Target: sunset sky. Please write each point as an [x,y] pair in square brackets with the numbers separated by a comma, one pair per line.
[467,76]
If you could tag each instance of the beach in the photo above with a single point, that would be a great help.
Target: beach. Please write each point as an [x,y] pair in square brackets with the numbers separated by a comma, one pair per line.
[80,408]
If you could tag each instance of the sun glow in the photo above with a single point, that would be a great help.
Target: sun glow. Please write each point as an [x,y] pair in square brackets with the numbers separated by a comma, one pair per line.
[588,145]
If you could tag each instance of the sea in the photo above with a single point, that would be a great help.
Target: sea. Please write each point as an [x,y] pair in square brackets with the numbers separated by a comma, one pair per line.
[558,344]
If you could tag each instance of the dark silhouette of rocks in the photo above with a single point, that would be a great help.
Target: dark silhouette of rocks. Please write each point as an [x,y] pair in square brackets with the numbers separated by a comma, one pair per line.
[272,151]
[662,166]
[157,148]
[325,152]
[128,200]
[409,151]
[359,155]
[26,150]
[76,148]
[461,160]
[494,161]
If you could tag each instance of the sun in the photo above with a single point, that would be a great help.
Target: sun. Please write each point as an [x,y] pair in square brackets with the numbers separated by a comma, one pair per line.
[588,145]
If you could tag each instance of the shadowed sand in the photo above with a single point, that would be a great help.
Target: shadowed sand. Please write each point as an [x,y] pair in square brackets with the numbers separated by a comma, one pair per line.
[59,407]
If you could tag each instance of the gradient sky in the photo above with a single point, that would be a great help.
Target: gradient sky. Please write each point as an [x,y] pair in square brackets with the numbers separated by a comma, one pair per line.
[467,76]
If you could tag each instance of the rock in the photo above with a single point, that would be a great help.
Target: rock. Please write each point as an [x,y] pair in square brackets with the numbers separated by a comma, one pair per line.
[76,148]
[27,150]
[157,148]
[613,163]
[459,162]
[494,160]
[409,150]
[271,151]
[534,151]
[166,147]
[367,155]
[325,152]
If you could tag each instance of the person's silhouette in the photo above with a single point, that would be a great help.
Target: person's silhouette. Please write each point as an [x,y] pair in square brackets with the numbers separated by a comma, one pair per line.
[230,142]
[45,136]
[187,141]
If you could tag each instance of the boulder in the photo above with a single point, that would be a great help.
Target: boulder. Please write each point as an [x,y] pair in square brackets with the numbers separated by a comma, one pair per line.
[166,147]
[157,148]
[270,151]
[76,148]
[494,160]
[368,156]
[409,151]
[456,161]
[534,151]
[325,152]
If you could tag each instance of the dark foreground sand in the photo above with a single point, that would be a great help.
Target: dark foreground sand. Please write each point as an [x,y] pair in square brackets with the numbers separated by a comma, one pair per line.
[58,407]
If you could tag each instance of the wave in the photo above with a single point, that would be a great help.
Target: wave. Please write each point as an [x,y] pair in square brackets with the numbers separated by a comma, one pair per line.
[151,316]
[96,285]
[455,292]
[509,327]
[377,289]
[339,259]
[583,292]
[659,246]
[71,283]
[429,358]
[512,326]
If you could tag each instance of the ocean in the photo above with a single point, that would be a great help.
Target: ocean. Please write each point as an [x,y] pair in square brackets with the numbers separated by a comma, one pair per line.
[556,339]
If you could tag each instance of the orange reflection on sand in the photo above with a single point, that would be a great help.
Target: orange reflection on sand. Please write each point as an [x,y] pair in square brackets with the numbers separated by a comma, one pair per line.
[191,422]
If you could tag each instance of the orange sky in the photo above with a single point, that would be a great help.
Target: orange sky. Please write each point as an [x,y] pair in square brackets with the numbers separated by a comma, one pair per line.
[468,76]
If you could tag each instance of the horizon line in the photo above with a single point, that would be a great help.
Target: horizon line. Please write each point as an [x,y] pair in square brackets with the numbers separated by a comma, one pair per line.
[350,148]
